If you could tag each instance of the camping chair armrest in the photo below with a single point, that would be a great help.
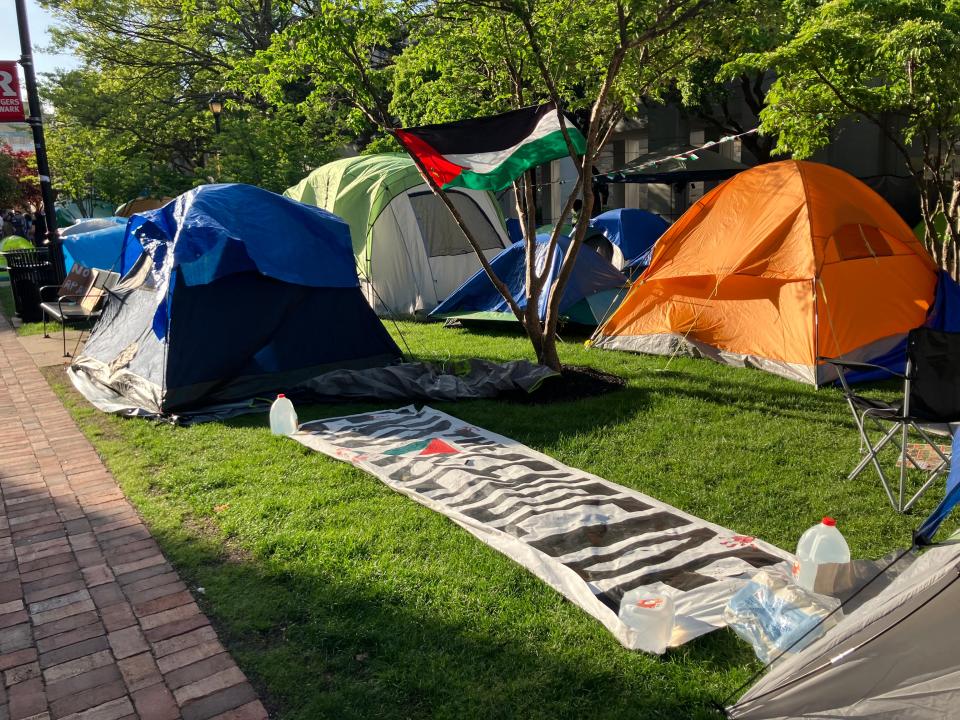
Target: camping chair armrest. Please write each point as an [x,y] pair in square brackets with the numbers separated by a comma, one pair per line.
[852,365]
[44,292]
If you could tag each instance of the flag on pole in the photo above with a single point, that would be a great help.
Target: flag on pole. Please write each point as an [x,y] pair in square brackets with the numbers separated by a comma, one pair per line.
[489,153]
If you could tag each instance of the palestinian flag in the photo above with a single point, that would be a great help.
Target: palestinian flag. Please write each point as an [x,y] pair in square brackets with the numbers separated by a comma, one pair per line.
[488,153]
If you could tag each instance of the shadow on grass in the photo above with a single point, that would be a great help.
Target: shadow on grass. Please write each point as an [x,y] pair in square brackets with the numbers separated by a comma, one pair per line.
[318,645]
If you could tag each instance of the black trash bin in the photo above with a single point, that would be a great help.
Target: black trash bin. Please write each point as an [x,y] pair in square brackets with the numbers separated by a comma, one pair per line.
[29,271]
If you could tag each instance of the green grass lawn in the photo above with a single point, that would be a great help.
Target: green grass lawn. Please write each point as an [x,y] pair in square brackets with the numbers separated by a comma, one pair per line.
[342,599]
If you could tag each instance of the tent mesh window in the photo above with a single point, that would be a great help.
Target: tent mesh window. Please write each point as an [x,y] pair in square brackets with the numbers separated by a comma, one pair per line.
[441,236]
[861,241]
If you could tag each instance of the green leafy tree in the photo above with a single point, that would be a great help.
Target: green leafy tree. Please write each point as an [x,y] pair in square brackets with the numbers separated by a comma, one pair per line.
[385,64]
[894,63]
[711,93]
[135,117]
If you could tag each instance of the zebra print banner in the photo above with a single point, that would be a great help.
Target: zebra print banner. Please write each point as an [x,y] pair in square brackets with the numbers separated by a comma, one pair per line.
[589,539]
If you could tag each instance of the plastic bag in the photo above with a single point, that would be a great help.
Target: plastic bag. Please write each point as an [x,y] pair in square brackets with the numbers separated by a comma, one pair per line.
[771,612]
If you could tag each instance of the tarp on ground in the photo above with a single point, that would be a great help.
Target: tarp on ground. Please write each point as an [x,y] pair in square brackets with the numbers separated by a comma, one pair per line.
[775,268]
[593,278]
[587,538]
[421,381]
[229,293]
[449,381]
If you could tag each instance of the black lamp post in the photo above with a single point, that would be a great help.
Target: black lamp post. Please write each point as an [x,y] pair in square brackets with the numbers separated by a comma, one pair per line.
[216,107]
[36,124]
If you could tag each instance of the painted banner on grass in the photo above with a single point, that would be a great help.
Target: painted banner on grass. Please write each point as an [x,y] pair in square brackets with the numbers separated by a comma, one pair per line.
[589,539]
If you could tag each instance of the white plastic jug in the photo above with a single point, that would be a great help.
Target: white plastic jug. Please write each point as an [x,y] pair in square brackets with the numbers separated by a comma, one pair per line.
[822,543]
[283,418]
[649,613]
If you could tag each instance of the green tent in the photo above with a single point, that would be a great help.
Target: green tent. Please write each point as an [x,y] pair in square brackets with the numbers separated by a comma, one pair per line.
[410,253]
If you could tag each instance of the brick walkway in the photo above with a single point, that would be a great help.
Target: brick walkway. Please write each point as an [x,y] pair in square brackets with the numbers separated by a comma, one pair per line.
[94,623]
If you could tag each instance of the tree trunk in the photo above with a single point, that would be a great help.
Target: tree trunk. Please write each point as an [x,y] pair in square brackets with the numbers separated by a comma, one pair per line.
[547,354]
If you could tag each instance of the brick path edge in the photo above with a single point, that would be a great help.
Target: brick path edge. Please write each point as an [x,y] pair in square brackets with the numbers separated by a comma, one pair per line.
[94,622]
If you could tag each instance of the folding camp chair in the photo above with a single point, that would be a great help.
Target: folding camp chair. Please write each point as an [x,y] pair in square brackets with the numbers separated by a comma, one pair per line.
[929,410]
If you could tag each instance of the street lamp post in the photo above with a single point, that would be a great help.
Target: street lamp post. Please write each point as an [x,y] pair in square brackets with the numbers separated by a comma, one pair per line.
[36,123]
[216,107]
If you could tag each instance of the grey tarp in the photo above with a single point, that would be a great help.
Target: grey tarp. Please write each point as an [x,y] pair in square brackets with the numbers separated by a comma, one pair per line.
[897,656]
[458,380]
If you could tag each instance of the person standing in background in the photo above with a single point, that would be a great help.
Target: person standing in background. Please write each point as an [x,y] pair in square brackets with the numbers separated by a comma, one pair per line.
[39,228]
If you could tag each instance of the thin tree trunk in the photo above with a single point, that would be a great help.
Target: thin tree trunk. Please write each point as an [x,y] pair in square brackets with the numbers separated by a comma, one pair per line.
[548,354]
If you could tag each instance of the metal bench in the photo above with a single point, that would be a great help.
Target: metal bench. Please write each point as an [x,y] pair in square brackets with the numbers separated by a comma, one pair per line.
[77,301]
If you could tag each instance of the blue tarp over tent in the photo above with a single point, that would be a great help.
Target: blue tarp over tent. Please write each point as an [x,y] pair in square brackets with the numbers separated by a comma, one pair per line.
[593,283]
[633,231]
[97,248]
[229,293]
[215,230]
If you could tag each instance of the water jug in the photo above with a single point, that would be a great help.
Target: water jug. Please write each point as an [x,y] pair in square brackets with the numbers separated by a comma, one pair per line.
[822,543]
[649,613]
[283,418]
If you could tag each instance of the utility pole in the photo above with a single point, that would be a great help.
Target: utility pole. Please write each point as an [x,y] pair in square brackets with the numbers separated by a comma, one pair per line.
[36,123]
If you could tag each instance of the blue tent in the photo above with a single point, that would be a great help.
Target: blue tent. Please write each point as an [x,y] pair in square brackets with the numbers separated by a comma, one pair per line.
[99,248]
[592,292]
[229,292]
[631,234]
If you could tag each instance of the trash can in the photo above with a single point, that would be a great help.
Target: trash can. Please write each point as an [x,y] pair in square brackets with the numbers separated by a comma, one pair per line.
[29,271]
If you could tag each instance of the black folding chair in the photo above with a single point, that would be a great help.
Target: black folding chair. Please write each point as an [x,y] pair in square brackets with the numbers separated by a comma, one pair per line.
[928,410]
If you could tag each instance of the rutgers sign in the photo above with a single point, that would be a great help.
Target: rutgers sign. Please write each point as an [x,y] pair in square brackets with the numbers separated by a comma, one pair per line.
[11,104]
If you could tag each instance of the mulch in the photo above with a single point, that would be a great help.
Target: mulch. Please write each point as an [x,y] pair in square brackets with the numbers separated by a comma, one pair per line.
[574,383]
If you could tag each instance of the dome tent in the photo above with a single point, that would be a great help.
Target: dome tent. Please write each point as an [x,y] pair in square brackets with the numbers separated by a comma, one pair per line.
[228,293]
[780,265]
[140,204]
[624,236]
[592,290]
[410,254]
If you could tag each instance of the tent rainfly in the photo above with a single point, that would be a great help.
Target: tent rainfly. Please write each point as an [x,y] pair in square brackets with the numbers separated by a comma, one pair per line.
[95,243]
[776,267]
[410,254]
[228,293]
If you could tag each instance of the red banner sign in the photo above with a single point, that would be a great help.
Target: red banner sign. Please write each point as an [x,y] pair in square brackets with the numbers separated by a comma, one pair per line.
[11,104]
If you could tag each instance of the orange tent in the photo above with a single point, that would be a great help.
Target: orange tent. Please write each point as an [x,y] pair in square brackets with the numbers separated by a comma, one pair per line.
[779,265]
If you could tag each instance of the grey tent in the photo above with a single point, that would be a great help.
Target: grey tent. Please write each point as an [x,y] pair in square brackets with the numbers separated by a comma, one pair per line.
[896,656]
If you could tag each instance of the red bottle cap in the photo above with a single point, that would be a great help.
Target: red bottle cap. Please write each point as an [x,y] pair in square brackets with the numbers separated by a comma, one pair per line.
[829,521]
[281,395]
